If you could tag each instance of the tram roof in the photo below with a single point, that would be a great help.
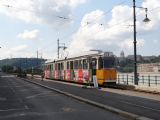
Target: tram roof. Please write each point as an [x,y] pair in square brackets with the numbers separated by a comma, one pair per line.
[85,54]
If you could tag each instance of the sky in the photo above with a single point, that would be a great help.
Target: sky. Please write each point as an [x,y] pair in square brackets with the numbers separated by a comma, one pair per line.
[28,26]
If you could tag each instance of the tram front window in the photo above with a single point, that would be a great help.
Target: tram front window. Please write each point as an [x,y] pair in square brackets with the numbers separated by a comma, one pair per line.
[108,62]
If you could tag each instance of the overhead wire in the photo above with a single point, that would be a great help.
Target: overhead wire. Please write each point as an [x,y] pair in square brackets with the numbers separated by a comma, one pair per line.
[33,11]
[63,17]
[66,36]
[116,24]
[88,22]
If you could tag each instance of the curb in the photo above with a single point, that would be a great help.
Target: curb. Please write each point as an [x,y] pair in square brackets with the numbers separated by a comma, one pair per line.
[147,91]
[105,107]
[130,87]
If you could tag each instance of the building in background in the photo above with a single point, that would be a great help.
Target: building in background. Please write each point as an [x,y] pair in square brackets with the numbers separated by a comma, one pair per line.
[151,67]
[122,57]
[131,57]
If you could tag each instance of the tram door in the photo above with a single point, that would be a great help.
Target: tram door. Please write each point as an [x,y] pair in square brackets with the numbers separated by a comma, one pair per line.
[71,76]
[94,66]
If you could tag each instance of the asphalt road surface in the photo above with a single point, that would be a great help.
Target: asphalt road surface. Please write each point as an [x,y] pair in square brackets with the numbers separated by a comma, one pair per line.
[20,100]
[137,105]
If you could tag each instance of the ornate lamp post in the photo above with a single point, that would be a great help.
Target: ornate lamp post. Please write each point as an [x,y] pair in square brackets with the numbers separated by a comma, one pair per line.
[135,41]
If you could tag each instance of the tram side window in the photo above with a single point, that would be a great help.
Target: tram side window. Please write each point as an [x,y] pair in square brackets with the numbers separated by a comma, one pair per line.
[80,64]
[55,66]
[71,65]
[85,64]
[100,63]
[49,67]
[109,62]
[46,67]
[61,66]
[94,63]
[67,65]
[76,64]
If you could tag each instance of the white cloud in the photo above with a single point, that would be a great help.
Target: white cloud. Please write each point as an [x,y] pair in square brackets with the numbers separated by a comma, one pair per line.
[128,43]
[96,36]
[19,48]
[117,33]
[29,35]
[18,51]
[41,11]
[153,12]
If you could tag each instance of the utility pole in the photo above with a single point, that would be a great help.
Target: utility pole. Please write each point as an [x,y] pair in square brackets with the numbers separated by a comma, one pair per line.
[58,48]
[37,54]
[37,59]
[62,46]
[135,42]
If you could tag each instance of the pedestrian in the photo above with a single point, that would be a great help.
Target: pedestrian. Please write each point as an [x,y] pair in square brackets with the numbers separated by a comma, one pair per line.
[42,76]
[32,75]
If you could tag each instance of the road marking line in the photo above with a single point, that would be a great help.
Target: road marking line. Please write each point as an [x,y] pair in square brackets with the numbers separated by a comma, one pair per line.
[7,110]
[33,96]
[3,99]
[6,76]
[4,86]
[26,107]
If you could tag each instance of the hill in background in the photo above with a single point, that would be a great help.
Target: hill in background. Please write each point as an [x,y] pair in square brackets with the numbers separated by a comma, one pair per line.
[13,64]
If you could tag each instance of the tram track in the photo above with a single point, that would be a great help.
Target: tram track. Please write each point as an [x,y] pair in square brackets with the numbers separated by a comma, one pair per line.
[108,108]
[114,86]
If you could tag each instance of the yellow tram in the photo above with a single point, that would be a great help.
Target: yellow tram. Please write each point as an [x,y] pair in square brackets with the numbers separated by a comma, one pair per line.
[81,68]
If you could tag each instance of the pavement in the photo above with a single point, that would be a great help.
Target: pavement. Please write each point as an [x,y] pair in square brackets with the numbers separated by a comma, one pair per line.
[144,88]
[21,100]
[134,104]
[138,88]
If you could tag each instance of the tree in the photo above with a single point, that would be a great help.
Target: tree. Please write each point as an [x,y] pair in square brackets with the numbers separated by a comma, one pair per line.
[7,68]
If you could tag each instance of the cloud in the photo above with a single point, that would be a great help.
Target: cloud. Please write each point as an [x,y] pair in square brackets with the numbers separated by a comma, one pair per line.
[128,43]
[41,11]
[95,35]
[17,51]
[153,11]
[19,48]
[115,34]
[29,35]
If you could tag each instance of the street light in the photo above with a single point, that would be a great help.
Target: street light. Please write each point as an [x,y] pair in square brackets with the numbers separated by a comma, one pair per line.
[146,19]
[135,41]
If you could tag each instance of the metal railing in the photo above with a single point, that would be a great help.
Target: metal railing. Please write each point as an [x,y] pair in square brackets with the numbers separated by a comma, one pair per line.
[143,79]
